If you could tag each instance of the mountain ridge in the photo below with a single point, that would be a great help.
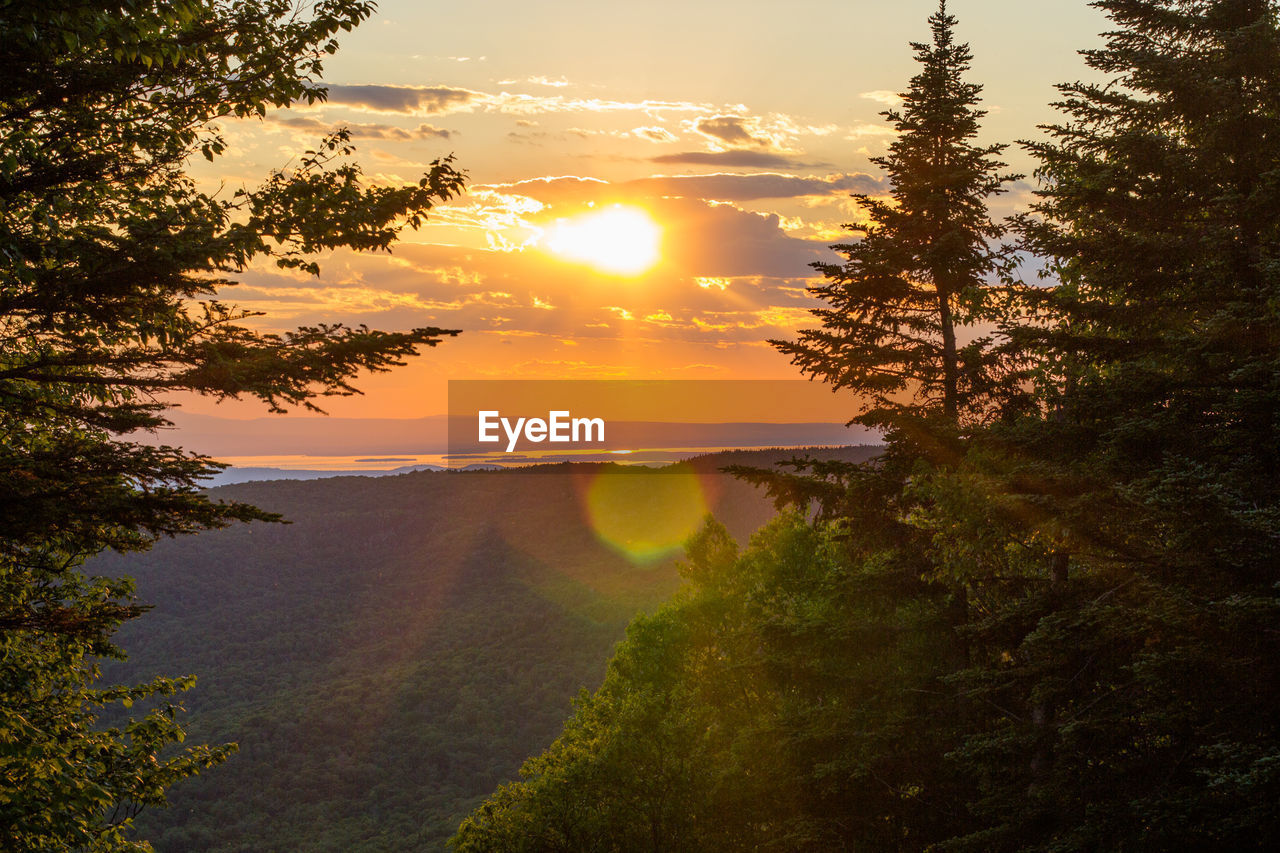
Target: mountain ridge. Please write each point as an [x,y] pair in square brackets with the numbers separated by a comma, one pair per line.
[395,652]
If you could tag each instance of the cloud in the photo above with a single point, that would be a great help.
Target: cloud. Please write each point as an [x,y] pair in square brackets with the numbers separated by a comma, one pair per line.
[733,187]
[867,130]
[884,96]
[436,100]
[731,130]
[551,189]
[540,80]
[647,134]
[403,99]
[520,104]
[729,278]
[774,132]
[653,134]
[717,187]
[706,240]
[737,157]
[501,219]
[362,130]
[532,138]
[285,302]
[700,238]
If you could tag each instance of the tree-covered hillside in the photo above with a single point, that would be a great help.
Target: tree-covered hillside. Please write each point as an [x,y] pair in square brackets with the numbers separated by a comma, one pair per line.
[397,651]
[116,269]
[1045,617]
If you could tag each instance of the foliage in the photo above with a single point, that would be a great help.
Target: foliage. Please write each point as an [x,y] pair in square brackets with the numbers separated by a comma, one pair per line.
[1152,456]
[111,257]
[776,704]
[392,655]
[1157,353]
[1054,625]
[918,272]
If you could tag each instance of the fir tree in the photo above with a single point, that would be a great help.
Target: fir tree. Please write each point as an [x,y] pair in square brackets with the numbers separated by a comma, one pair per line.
[1139,680]
[917,275]
[111,263]
[1159,349]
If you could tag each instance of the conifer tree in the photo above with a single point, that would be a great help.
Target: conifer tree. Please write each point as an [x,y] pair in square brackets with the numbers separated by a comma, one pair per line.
[1140,684]
[112,261]
[1160,347]
[917,275]
[1116,656]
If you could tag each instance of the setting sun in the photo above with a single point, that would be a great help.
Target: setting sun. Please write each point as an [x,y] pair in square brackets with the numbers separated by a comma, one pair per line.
[618,239]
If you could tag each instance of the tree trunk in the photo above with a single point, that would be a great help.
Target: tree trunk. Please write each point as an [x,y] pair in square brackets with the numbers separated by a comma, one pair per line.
[950,361]
[1042,713]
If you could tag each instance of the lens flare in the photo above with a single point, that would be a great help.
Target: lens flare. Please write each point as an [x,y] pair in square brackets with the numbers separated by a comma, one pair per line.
[618,239]
[643,514]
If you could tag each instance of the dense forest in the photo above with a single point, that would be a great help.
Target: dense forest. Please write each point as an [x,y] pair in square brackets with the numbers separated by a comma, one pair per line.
[395,652]
[1046,617]
[112,258]
[1043,617]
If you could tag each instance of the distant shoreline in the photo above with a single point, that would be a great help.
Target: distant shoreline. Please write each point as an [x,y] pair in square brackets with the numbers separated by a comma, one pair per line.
[322,467]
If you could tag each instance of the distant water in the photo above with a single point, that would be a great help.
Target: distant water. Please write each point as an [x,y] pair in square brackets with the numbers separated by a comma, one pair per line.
[245,469]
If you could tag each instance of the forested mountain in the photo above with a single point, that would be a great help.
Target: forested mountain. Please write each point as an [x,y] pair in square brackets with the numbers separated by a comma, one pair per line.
[397,650]
[1042,617]
[113,270]
[1045,617]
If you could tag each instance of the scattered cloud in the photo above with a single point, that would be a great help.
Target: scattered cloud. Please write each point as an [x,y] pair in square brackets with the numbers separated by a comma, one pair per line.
[528,138]
[429,100]
[737,157]
[710,240]
[884,96]
[288,302]
[653,134]
[734,131]
[541,80]
[732,278]
[361,130]
[552,189]
[737,187]
[523,104]
[774,132]
[718,186]
[861,132]
[437,100]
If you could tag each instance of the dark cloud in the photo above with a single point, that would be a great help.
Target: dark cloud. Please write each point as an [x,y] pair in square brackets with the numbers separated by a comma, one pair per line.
[752,159]
[731,187]
[364,130]
[731,130]
[402,99]
[721,186]
[425,131]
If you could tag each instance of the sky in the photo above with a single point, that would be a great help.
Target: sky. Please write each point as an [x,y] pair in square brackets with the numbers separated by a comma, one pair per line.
[647,183]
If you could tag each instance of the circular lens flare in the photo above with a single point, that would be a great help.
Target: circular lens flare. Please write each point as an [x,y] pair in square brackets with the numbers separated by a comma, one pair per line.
[643,514]
[618,239]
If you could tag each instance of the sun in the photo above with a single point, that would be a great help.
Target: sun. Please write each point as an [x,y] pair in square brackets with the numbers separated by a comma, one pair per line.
[618,239]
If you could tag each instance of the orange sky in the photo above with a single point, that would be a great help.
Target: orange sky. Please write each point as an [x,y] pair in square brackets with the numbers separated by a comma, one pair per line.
[737,130]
